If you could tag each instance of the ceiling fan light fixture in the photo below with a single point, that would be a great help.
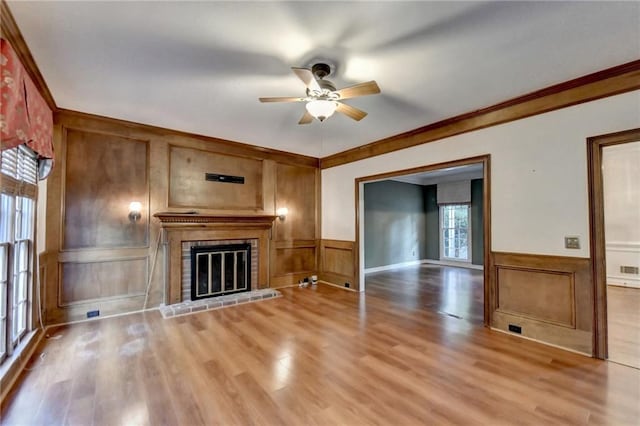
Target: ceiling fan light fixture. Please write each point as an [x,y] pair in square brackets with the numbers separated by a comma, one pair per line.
[321,108]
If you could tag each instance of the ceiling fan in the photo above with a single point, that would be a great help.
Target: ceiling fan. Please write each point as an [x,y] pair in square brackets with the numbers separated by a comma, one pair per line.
[322,97]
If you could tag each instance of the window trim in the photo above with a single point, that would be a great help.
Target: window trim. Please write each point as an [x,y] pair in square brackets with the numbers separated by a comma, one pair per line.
[469,259]
[18,172]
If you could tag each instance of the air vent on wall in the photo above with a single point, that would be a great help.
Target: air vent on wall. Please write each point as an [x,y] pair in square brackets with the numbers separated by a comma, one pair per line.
[630,270]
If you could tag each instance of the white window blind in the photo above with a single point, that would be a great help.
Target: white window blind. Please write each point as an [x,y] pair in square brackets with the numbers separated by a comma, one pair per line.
[19,172]
[454,192]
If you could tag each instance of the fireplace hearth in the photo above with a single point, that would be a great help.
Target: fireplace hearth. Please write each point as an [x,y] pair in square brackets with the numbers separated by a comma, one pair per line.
[218,270]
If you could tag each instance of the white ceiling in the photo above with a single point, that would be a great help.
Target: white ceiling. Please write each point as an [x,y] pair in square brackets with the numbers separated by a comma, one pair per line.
[449,174]
[201,66]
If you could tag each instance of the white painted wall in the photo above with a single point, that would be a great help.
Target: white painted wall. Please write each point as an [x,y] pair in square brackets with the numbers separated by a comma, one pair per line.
[538,175]
[621,176]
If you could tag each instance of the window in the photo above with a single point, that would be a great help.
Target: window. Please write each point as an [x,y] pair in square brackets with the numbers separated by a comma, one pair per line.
[455,232]
[18,191]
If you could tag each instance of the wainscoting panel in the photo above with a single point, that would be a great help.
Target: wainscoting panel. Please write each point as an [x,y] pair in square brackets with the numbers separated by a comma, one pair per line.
[292,261]
[549,297]
[188,187]
[89,282]
[338,263]
[543,296]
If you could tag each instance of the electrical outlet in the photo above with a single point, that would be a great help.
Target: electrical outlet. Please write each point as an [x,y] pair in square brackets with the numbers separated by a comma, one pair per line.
[515,328]
[572,242]
[92,314]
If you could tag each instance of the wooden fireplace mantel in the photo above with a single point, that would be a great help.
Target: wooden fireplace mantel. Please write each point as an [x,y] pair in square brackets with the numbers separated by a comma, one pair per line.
[186,218]
[184,227]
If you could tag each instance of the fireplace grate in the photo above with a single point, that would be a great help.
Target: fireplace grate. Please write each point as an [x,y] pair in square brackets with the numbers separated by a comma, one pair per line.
[219,270]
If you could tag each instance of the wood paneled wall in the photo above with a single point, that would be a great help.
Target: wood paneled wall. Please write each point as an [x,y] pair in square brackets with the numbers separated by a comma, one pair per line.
[97,259]
[550,297]
[338,263]
[187,187]
[295,248]
[102,175]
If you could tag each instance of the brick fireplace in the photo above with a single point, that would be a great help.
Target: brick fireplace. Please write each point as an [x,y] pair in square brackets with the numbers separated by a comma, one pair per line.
[183,231]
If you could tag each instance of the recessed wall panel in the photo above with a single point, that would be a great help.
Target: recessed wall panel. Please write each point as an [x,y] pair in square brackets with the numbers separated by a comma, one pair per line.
[541,295]
[188,187]
[103,175]
[83,282]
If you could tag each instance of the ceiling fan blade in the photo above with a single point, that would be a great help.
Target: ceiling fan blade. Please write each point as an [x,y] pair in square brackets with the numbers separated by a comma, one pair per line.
[362,89]
[307,78]
[306,118]
[281,99]
[351,112]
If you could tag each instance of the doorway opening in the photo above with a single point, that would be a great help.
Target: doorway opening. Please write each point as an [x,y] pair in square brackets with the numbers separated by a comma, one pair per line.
[614,191]
[423,237]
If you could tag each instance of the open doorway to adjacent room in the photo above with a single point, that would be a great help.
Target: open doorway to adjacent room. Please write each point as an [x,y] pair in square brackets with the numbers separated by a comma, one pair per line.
[615,244]
[423,237]
[615,213]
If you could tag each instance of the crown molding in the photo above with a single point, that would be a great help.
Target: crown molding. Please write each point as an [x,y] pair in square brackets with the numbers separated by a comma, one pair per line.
[97,123]
[9,31]
[601,84]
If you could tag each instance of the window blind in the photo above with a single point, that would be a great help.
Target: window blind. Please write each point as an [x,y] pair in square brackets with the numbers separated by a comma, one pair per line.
[18,172]
[454,192]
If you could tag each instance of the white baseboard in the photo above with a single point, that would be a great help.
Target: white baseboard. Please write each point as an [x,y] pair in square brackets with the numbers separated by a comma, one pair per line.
[419,262]
[393,266]
[456,264]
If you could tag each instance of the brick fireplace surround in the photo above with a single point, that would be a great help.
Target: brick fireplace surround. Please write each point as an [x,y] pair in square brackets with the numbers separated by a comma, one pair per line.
[180,229]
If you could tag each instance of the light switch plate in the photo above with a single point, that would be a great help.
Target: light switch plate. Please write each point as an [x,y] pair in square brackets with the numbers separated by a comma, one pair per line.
[572,242]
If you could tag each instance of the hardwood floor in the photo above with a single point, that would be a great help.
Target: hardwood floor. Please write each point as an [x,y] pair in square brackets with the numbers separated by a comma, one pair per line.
[623,322]
[316,356]
[457,292]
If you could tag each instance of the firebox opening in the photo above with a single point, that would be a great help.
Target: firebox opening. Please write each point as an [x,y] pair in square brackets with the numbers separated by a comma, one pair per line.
[220,269]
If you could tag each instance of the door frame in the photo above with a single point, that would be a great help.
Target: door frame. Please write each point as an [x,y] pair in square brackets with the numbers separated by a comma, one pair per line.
[486,217]
[597,245]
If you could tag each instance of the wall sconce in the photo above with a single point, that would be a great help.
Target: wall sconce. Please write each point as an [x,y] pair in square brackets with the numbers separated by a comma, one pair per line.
[134,211]
[282,212]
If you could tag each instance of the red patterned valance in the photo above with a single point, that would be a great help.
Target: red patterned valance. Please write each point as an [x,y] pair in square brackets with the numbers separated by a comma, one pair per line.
[25,116]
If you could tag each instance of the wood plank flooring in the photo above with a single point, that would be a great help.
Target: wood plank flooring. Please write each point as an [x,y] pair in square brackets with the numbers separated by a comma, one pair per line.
[623,322]
[316,356]
[450,291]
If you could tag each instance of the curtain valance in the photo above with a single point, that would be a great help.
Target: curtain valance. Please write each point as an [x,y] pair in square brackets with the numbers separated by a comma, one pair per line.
[25,117]
[454,192]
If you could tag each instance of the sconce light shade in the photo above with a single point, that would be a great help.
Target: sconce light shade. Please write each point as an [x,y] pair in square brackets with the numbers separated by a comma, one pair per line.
[282,212]
[135,209]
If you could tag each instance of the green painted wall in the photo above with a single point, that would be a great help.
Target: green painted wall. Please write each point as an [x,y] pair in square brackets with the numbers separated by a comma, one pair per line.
[394,223]
[477,234]
[432,211]
[402,223]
